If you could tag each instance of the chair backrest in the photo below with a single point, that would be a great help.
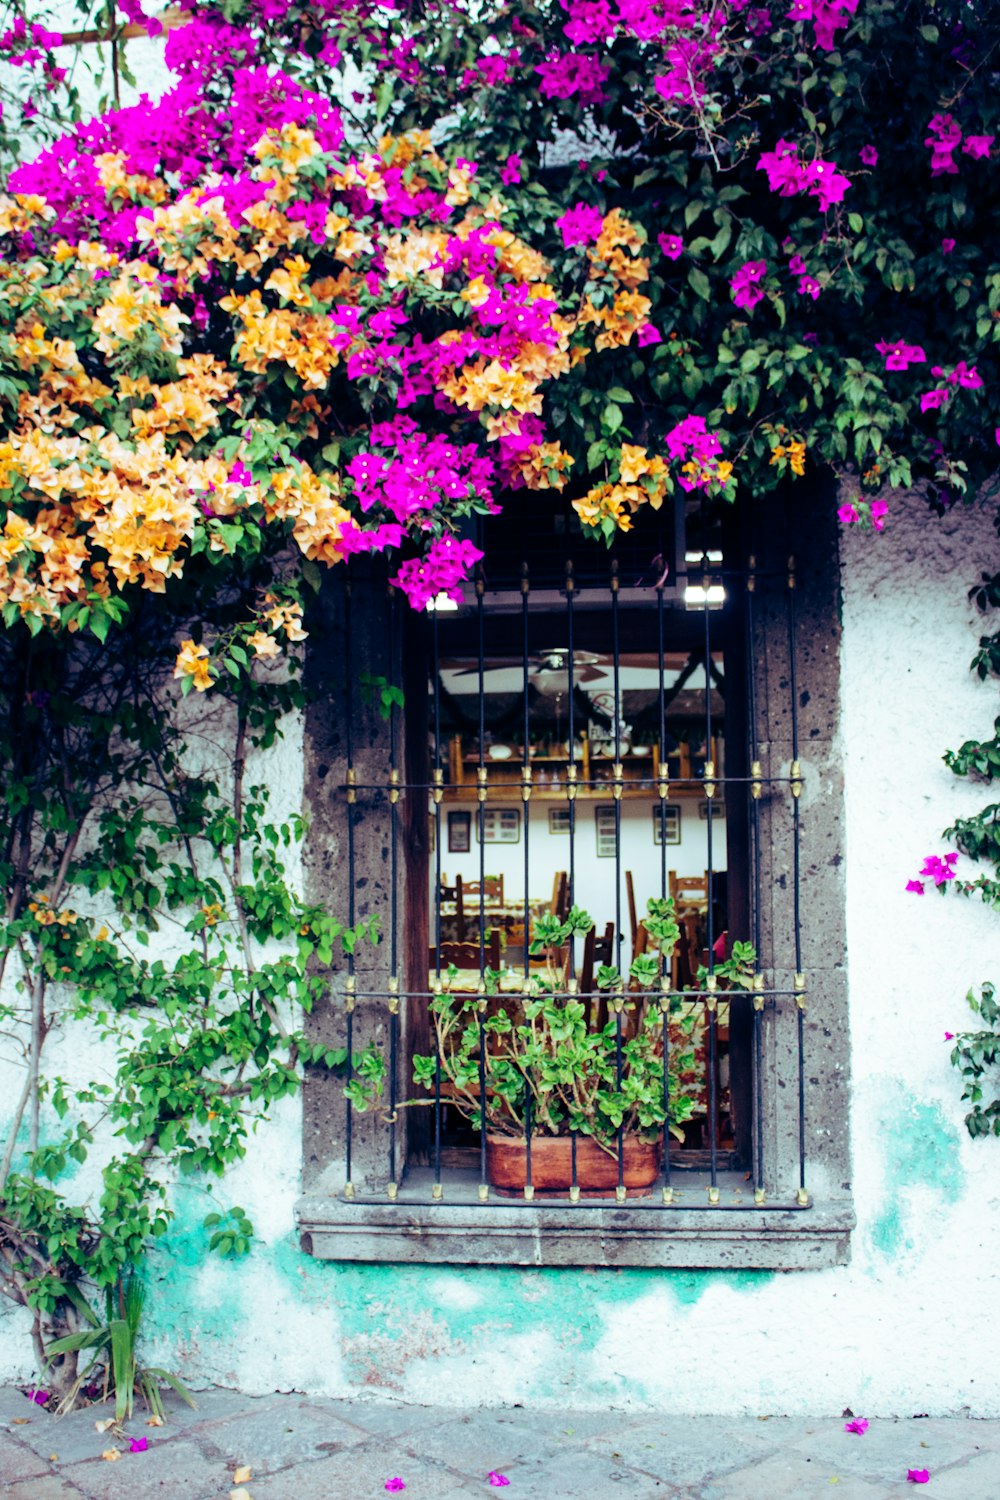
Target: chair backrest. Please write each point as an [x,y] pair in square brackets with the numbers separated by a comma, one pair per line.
[630,893]
[491,886]
[466,955]
[560,894]
[514,951]
[448,892]
[688,889]
[687,954]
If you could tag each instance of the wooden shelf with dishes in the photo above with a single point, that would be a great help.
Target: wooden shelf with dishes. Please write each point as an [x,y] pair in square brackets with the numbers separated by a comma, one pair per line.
[595,771]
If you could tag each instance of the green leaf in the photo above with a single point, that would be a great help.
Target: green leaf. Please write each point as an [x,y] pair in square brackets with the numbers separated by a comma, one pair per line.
[699,283]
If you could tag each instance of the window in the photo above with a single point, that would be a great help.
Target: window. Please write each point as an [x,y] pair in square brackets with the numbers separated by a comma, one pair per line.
[613,700]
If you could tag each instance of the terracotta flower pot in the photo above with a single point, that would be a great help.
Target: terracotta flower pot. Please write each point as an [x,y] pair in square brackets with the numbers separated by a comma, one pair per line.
[552,1165]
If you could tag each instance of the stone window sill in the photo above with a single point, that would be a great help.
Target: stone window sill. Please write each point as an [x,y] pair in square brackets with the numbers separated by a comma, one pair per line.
[593,1234]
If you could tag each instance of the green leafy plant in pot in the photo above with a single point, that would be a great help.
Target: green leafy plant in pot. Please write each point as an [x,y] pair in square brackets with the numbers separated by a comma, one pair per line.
[547,1065]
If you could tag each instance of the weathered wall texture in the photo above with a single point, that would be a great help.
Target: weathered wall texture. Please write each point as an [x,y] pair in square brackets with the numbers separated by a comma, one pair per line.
[906,1327]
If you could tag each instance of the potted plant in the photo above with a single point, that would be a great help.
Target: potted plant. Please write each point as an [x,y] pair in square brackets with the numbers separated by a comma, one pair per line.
[541,1068]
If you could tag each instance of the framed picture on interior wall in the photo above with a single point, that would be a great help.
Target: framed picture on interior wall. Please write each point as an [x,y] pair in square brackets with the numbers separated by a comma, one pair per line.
[501,825]
[604,821]
[718,809]
[667,830]
[459,832]
[559,819]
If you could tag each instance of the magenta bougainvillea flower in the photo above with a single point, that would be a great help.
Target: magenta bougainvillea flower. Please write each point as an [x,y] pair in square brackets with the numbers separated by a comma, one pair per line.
[497,1480]
[138,1445]
[566,75]
[847,514]
[787,175]
[878,510]
[939,870]
[918,1476]
[827,16]
[899,355]
[947,246]
[745,285]
[39,1397]
[931,400]
[869,156]
[859,1425]
[964,375]
[510,172]
[949,1036]
[978,145]
[671,244]
[944,139]
[580,225]
[916,886]
[395,1484]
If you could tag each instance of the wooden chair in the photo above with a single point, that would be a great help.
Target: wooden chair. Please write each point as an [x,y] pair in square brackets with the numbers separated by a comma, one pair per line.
[460,929]
[560,894]
[596,951]
[490,887]
[630,893]
[688,890]
[466,955]
[687,954]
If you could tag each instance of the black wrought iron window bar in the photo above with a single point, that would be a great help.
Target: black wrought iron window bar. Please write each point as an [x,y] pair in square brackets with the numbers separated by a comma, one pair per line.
[503,624]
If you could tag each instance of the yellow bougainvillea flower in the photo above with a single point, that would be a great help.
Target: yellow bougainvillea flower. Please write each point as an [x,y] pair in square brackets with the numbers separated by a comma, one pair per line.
[192,661]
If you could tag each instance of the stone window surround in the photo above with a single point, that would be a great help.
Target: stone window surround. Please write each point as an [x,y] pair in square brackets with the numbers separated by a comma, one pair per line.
[459,1229]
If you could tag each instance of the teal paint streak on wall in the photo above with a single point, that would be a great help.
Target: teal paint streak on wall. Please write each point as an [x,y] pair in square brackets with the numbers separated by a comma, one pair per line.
[390,1314]
[920,1148]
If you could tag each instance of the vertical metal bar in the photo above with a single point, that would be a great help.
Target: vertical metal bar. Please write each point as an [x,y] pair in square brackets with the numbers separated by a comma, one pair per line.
[435,983]
[481,769]
[663,785]
[619,1060]
[351,983]
[438,789]
[526,760]
[799,982]
[529,1187]
[484,1191]
[574,1186]
[617,778]
[571,769]
[617,789]
[709,786]
[756,787]
[662,788]
[394,897]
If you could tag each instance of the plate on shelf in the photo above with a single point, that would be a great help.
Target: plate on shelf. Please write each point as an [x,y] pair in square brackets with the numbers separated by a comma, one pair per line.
[499,752]
[640,749]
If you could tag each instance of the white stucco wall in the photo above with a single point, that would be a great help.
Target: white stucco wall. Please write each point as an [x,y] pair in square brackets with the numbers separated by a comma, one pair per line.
[906,1327]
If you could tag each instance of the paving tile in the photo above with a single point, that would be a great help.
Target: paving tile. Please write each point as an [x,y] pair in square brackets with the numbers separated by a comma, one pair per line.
[480,1441]
[386,1420]
[582,1473]
[888,1447]
[686,1450]
[49,1487]
[18,1460]
[179,1471]
[277,1438]
[794,1477]
[14,1403]
[360,1472]
[978,1479]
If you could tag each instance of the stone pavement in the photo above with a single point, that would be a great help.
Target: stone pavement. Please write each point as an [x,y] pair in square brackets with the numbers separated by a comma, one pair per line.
[305,1448]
